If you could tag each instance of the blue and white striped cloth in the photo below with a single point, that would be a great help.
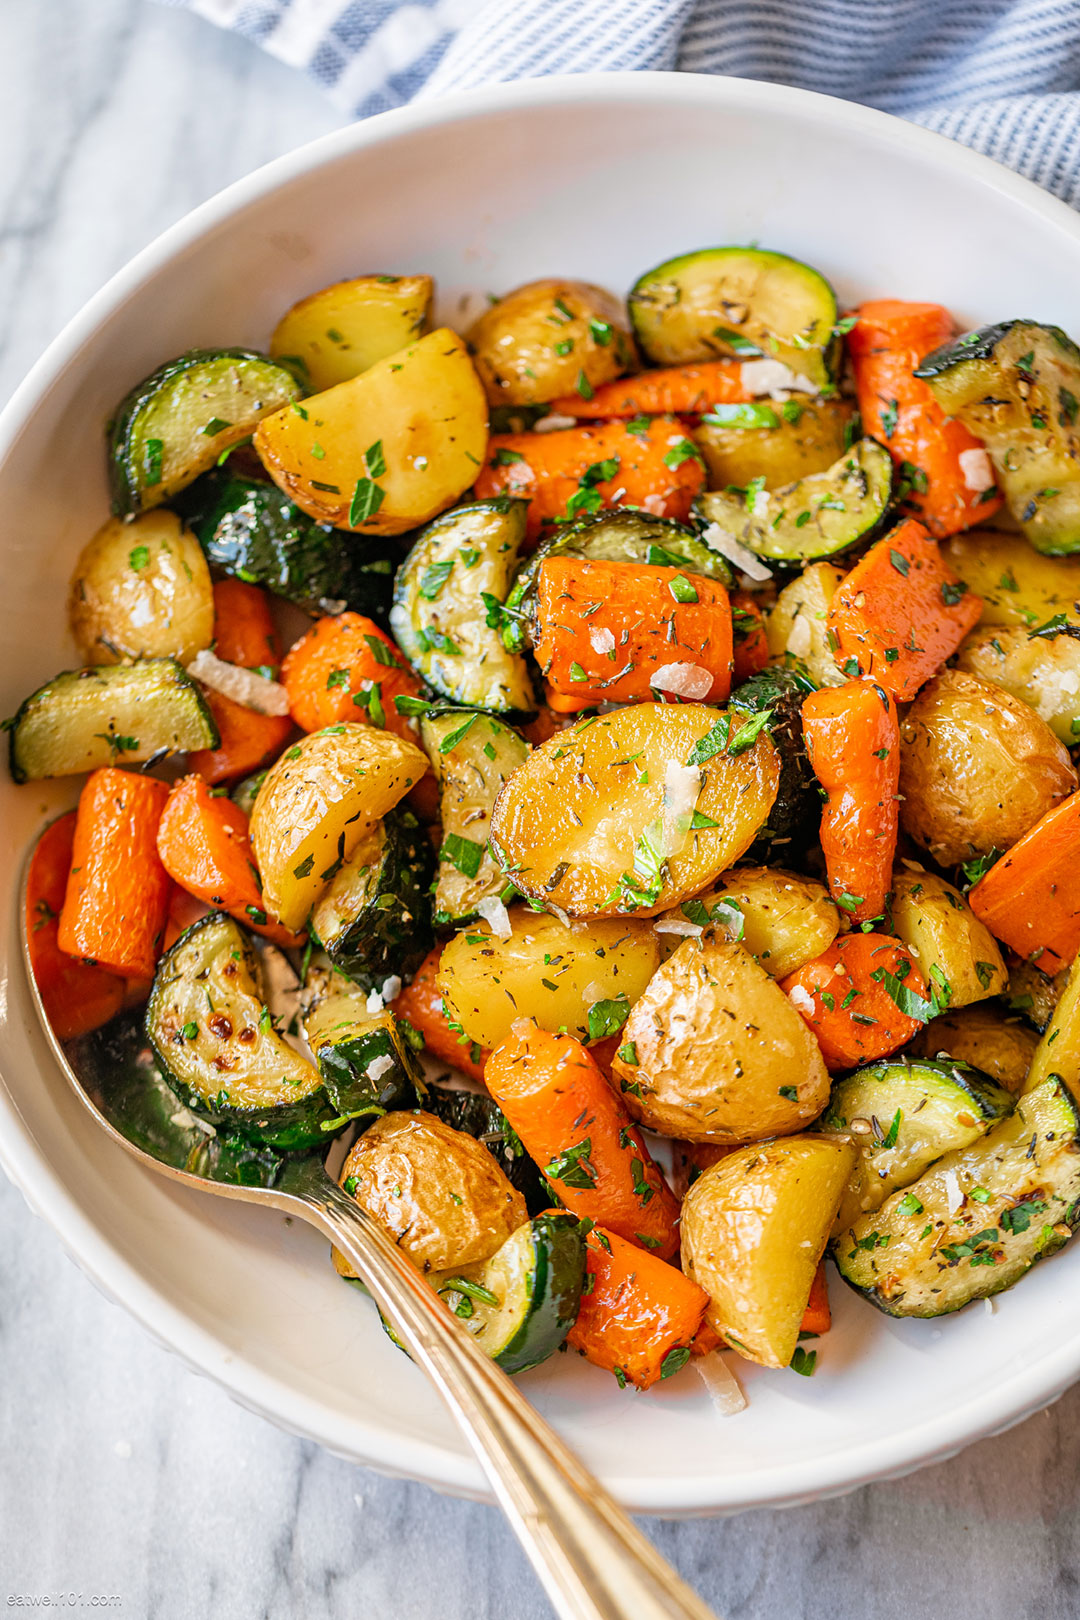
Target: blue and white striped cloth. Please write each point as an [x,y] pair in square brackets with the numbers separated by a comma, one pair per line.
[1002,76]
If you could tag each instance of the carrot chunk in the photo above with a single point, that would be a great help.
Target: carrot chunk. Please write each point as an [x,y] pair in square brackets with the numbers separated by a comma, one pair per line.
[591,469]
[244,634]
[671,390]
[817,1318]
[853,740]
[117,896]
[421,1004]
[751,645]
[851,998]
[575,1127]
[203,844]
[346,668]
[635,1311]
[1030,898]
[615,631]
[950,483]
[78,996]
[901,612]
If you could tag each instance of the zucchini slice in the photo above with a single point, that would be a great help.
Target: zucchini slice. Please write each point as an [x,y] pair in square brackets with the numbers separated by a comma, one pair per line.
[625,535]
[367,1065]
[254,532]
[814,517]
[1016,386]
[175,424]
[909,1113]
[924,1254]
[479,1115]
[796,813]
[375,918]
[208,1022]
[447,606]
[742,301]
[472,756]
[521,1304]
[113,714]
[780,442]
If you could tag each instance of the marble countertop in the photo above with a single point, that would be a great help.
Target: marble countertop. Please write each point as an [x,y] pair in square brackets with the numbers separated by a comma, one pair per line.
[124,1476]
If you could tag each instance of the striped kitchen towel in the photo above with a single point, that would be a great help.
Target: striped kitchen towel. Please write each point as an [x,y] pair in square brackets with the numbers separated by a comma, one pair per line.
[1002,76]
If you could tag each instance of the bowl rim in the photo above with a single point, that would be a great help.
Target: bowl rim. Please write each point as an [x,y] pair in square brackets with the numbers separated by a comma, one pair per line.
[26,1162]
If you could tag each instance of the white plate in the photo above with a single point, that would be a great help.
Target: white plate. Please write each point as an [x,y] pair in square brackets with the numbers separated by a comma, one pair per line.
[601,177]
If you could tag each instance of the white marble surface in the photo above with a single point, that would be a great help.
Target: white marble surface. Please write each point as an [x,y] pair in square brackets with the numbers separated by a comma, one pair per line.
[123,1475]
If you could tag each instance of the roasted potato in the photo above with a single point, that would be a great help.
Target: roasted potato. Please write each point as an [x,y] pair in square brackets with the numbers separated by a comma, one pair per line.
[1018,585]
[754,1227]
[715,1051]
[983,1036]
[541,340]
[597,821]
[387,450]
[547,970]
[317,802]
[438,1192]
[782,918]
[806,436]
[1043,672]
[142,590]
[343,329]
[977,768]
[798,622]
[942,932]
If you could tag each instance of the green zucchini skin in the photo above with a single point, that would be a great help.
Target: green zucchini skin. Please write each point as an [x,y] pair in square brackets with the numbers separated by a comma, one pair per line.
[1016,386]
[447,613]
[913,1257]
[815,517]
[537,1277]
[348,1041]
[252,531]
[209,1027]
[619,536]
[796,814]
[159,439]
[480,1116]
[375,918]
[112,714]
[472,756]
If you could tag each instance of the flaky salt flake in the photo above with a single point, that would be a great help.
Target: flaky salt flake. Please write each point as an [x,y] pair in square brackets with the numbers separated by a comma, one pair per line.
[718,539]
[244,686]
[724,1388]
[495,915]
[801,998]
[374,1004]
[601,641]
[553,424]
[677,925]
[379,1066]
[683,680]
[772,377]
[954,1197]
[976,468]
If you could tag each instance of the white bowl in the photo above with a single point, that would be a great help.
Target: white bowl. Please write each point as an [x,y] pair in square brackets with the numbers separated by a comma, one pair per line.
[601,177]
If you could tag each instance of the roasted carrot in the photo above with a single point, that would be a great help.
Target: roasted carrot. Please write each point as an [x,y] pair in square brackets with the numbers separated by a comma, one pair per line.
[78,996]
[421,1005]
[184,909]
[750,650]
[901,612]
[203,844]
[638,1315]
[620,632]
[244,634]
[589,469]
[1030,898]
[346,668]
[817,1318]
[117,896]
[853,997]
[947,473]
[853,740]
[672,390]
[575,1127]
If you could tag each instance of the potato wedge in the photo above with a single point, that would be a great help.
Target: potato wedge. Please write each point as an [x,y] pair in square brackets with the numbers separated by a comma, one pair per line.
[806,436]
[798,622]
[1018,585]
[634,811]
[983,1036]
[343,329]
[542,339]
[547,970]
[942,932]
[715,1051]
[438,1192]
[388,449]
[782,918]
[1058,1051]
[1043,672]
[977,768]
[316,803]
[142,590]
[753,1230]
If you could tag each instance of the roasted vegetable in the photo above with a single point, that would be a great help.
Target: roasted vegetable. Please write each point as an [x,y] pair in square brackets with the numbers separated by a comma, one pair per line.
[798,627]
[141,590]
[548,338]
[374,921]
[1057,1055]
[365,1060]
[477,1114]
[783,919]
[343,329]
[983,1037]
[793,820]
[953,948]
[1042,669]
[472,756]
[1017,585]
[863,998]
[639,1315]
[852,743]
[780,442]
[78,996]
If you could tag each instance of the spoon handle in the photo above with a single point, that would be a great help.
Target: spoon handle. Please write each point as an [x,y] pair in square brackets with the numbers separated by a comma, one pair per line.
[593,1561]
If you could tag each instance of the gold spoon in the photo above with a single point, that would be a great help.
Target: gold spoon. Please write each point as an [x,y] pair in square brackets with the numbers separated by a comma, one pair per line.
[592,1560]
